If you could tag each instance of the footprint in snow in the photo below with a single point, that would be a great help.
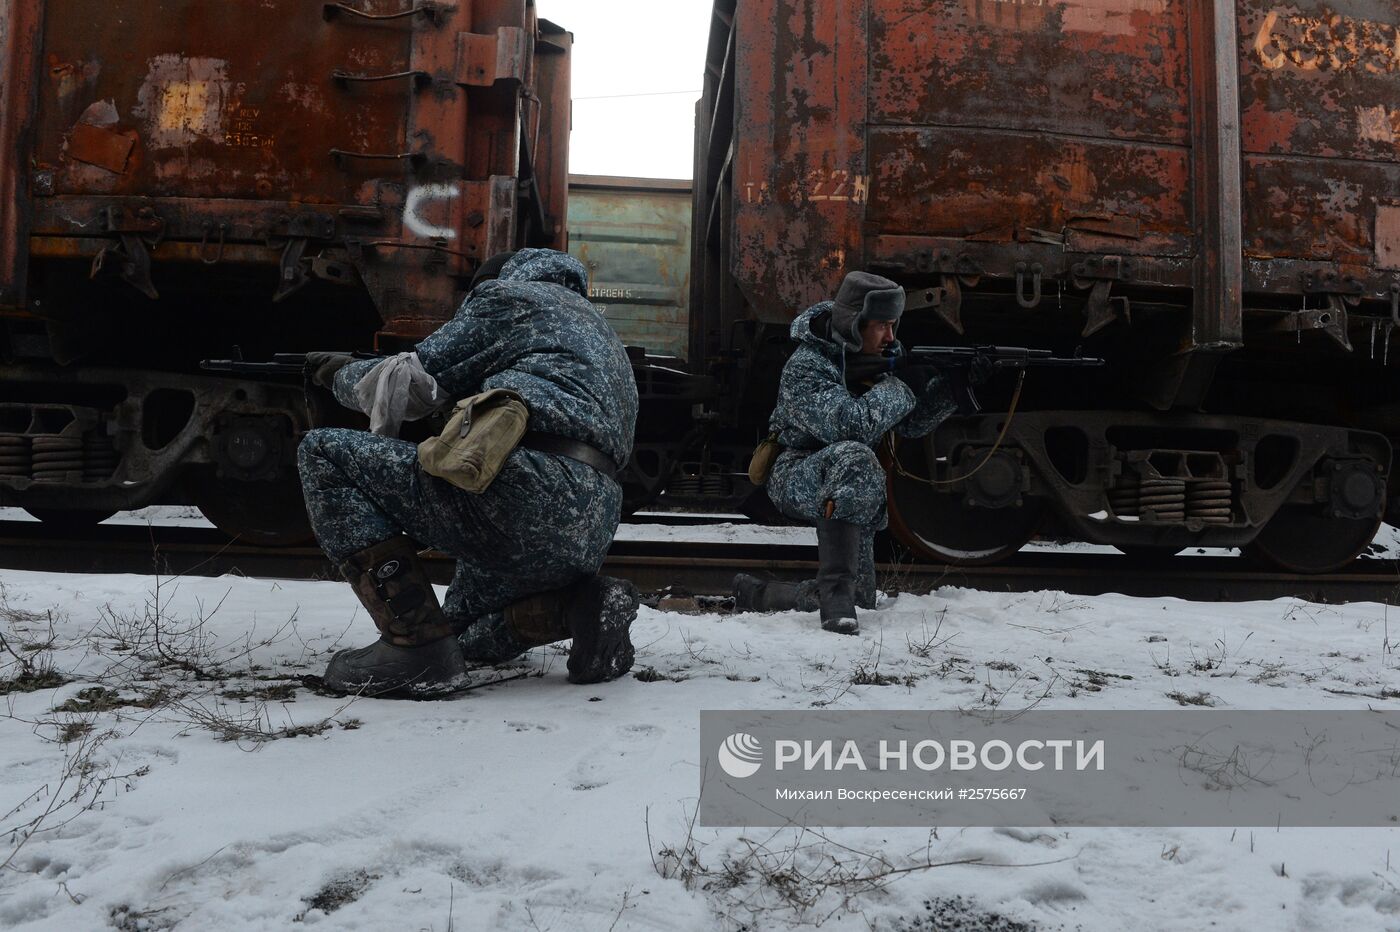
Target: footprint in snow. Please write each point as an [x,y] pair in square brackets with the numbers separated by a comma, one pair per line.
[615,757]
[1028,836]
[529,726]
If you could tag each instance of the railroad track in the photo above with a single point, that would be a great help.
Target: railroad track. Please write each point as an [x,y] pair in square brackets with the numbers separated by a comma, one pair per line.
[707,568]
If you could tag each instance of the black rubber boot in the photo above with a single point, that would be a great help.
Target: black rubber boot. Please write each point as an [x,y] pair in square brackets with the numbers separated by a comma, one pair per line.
[752,594]
[383,669]
[417,654]
[838,559]
[600,618]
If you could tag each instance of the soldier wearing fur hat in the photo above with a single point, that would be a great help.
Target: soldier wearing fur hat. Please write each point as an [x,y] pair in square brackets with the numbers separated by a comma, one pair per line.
[828,473]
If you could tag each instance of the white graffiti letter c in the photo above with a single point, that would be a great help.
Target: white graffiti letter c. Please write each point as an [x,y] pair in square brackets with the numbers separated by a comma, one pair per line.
[1265,44]
[426,194]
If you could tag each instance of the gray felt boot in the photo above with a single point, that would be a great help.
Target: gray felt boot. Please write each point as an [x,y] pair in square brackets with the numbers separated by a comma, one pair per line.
[752,594]
[838,558]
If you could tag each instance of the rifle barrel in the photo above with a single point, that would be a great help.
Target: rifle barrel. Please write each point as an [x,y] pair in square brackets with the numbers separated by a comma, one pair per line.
[1002,357]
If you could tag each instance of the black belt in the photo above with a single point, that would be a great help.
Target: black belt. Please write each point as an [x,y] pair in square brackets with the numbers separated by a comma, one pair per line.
[573,449]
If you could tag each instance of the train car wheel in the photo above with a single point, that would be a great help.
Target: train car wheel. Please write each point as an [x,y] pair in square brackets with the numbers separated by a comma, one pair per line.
[940,527]
[269,514]
[71,518]
[1304,539]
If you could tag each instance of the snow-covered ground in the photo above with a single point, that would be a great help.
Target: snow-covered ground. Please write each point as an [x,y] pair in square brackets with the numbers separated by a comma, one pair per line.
[155,515]
[182,776]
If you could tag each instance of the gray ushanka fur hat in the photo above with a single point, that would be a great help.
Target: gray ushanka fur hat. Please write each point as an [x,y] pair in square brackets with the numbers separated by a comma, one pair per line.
[863,296]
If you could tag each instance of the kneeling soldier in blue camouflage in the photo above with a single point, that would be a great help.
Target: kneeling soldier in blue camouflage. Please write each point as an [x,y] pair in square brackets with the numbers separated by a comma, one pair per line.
[528,546]
[828,473]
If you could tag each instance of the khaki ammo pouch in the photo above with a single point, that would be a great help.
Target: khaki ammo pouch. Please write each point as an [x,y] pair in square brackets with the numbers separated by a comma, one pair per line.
[763,457]
[480,434]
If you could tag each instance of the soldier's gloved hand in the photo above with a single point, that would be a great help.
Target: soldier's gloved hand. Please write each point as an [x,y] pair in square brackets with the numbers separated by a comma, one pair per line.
[861,369]
[917,377]
[321,368]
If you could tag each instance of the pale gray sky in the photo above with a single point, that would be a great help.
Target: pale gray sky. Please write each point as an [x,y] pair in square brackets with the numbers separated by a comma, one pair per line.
[637,73]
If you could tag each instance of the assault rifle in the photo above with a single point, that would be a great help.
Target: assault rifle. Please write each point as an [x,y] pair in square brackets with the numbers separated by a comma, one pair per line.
[965,367]
[282,365]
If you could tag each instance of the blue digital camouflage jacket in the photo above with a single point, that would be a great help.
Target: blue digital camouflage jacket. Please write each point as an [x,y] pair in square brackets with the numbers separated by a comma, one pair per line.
[533,330]
[815,408]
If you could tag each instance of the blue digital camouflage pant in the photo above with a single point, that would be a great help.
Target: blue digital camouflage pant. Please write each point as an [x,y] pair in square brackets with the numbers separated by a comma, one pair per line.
[846,473]
[544,522]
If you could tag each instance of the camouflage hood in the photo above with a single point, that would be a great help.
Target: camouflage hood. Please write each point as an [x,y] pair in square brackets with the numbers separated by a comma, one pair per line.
[533,331]
[546,265]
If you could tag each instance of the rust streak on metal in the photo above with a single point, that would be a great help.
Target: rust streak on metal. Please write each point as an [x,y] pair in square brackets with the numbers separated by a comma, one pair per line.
[1223,129]
[20,25]
[102,147]
[1216,184]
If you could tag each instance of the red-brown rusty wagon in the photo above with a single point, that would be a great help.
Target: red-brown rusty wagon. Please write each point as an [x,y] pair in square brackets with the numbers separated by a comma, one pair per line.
[188,179]
[1204,192]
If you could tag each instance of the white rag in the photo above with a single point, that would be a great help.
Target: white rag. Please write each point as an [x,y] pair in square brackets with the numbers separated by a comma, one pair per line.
[395,390]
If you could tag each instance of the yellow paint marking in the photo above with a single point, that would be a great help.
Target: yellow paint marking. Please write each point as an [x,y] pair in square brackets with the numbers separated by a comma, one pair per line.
[1327,43]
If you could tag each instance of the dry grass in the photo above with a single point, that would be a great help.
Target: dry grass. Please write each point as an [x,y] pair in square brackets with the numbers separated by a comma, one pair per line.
[135,666]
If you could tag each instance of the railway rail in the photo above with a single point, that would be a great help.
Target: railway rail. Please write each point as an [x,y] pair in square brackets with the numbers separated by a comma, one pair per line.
[706,568]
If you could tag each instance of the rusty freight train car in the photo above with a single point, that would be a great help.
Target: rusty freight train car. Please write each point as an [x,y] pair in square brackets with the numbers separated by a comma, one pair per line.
[185,179]
[1204,192]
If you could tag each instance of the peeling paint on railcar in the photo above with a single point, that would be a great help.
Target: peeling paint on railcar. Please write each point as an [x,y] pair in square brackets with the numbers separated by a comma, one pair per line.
[212,124]
[965,67]
[1321,131]
[1326,41]
[1378,124]
[1112,17]
[988,121]
[183,100]
[1388,236]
